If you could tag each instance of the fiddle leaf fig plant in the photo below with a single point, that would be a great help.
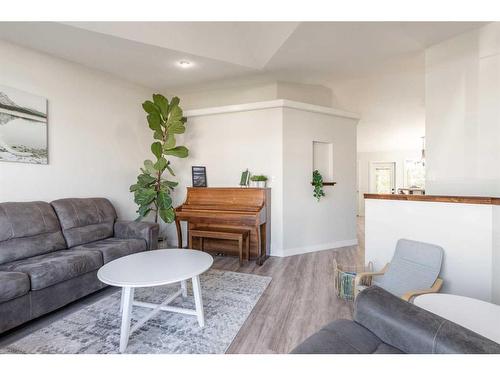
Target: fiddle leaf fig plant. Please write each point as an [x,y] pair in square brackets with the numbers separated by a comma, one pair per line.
[152,190]
[318,185]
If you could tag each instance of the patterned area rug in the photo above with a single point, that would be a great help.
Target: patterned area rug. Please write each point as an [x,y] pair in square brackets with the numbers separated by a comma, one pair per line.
[228,299]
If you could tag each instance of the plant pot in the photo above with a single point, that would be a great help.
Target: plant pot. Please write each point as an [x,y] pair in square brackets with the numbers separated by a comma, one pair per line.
[259,184]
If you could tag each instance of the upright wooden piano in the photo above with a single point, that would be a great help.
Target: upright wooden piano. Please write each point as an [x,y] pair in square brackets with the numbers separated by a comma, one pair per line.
[248,208]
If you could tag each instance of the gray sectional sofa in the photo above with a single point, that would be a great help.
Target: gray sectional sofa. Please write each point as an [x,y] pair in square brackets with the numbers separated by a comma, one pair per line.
[50,253]
[386,324]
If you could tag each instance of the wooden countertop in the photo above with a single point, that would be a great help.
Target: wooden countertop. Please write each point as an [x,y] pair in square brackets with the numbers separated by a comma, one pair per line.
[435,198]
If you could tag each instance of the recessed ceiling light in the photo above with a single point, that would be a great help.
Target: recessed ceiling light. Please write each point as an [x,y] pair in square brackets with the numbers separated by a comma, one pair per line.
[185,64]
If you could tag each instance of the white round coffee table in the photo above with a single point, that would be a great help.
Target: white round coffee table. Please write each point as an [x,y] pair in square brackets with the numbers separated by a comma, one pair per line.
[153,268]
[478,316]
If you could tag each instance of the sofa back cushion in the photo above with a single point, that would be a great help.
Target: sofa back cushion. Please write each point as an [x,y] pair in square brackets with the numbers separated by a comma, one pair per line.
[85,220]
[28,229]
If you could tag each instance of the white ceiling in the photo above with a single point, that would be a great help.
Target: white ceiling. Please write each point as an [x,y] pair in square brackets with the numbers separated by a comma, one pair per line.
[309,52]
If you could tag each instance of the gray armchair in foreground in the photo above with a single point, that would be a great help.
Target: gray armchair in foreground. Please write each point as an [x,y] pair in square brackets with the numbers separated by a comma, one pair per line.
[386,324]
[413,270]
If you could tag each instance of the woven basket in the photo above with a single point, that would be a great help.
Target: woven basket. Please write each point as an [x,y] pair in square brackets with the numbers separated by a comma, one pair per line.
[344,279]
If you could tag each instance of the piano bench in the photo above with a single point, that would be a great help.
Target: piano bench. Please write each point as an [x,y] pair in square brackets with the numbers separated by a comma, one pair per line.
[236,234]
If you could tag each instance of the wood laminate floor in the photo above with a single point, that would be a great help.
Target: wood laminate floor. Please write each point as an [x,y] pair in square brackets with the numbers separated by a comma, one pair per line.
[299,300]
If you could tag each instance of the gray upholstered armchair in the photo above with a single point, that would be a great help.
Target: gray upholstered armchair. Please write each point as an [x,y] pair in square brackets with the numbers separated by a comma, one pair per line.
[413,270]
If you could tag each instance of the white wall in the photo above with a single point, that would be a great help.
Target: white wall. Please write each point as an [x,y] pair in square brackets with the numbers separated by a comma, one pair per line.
[309,225]
[98,135]
[230,93]
[465,231]
[364,160]
[496,255]
[391,107]
[229,143]
[463,115]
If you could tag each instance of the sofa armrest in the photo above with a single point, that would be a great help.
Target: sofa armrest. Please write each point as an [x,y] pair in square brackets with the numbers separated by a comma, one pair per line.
[412,329]
[140,230]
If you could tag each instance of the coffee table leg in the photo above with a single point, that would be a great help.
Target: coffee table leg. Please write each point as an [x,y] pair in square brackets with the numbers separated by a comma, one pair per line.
[184,288]
[122,300]
[127,299]
[198,301]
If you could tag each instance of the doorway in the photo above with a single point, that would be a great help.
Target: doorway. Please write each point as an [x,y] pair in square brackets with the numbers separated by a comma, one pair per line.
[382,177]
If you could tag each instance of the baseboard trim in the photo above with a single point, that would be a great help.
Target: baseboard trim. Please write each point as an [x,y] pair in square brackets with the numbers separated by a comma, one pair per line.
[313,248]
[305,249]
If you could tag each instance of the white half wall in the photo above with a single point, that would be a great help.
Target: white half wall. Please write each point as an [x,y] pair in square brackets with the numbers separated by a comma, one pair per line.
[98,134]
[465,231]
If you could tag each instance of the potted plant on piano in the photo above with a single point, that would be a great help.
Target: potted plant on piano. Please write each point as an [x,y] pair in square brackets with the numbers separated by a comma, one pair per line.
[152,189]
[259,181]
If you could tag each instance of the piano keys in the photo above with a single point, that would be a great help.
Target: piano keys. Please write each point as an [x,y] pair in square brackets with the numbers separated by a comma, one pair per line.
[248,208]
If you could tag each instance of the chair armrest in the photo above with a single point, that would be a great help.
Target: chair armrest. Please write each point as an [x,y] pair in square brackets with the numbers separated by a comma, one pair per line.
[433,289]
[140,230]
[366,277]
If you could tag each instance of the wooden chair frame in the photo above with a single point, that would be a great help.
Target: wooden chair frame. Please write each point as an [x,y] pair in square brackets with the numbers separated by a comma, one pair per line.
[365,278]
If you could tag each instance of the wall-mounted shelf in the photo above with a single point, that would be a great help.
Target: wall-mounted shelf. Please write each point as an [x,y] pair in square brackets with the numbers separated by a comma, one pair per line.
[326,183]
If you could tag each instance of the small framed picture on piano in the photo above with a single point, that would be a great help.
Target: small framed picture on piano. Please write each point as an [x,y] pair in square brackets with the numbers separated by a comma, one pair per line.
[199,176]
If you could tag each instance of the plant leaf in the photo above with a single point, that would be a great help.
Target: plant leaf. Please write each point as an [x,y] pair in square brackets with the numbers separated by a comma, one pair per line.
[163,199]
[133,187]
[168,216]
[149,166]
[154,121]
[169,168]
[162,103]
[179,151]
[150,107]
[144,196]
[170,142]
[145,180]
[156,149]
[174,102]
[158,134]
[176,127]
[143,211]
[160,164]
[169,184]
[175,114]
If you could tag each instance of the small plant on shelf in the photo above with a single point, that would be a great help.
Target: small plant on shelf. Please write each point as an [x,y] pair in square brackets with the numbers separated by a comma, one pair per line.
[259,180]
[318,185]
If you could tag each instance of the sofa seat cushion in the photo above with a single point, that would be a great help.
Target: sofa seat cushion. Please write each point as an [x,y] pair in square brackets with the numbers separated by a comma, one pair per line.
[114,248]
[344,337]
[13,285]
[49,269]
